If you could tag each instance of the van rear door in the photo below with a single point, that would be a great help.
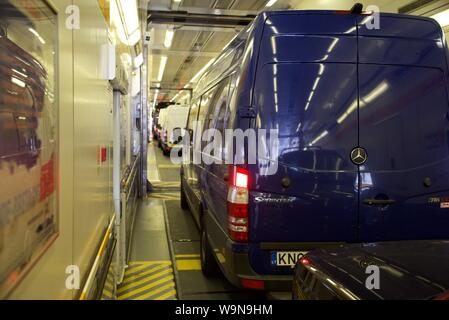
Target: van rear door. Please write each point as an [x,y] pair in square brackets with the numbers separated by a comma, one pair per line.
[306,88]
[404,128]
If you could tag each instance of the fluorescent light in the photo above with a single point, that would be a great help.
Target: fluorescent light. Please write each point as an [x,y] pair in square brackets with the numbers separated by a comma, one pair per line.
[134,38]
[353,29]
[270,3]
[20,73]
[169,38]
[131,16]
[442,18]
[176,96]
[321,69]
[315,85]
[125,17]
[138,61]
[162,68]
[370,97]
[229,43]
[350,110]
[18,82]
[202,70]
[321,136]
[311,96]
[273,45]
[378,91]
[332,46]
[37,35]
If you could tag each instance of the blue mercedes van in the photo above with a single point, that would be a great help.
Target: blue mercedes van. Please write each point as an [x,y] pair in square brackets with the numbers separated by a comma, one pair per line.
[363,122]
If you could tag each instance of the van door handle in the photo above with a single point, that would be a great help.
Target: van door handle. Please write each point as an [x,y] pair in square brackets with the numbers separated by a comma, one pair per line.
[378,202]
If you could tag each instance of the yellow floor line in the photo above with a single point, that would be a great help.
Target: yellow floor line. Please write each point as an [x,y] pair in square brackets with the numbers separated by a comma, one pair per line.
[145,288]
[155,292]
[131,279]
[188,265]
[169,166]
[108,286]
[196,255]
[146,279]
[150,263]
[134,267]
[167,295]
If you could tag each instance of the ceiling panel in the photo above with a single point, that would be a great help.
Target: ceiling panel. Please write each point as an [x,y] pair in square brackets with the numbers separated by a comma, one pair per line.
[184,58]
[183,40]
[197,3]
[218,41]
[251,4]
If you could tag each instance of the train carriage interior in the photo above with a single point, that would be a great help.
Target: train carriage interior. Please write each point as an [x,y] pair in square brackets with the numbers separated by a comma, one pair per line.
[231,150]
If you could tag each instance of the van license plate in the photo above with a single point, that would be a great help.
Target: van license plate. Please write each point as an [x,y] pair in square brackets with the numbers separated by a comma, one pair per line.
[286,259]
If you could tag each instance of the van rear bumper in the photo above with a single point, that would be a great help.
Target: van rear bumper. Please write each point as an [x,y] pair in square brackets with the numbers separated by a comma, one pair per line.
[237,267]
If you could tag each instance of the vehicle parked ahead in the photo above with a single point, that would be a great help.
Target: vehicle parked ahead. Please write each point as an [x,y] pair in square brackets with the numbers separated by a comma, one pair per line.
[362,122]
[159,125]
[175,121]
[407,270]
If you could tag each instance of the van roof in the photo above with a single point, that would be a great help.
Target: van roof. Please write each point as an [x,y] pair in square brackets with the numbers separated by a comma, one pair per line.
[392,25]
[343,13]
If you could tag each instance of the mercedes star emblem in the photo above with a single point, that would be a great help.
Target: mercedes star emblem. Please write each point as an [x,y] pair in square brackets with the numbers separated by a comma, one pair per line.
[359,156]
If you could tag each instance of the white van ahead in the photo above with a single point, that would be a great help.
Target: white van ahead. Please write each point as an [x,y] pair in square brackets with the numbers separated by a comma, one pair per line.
[175,119]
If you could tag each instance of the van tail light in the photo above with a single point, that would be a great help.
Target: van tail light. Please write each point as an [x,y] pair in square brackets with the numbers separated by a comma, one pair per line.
[238,196]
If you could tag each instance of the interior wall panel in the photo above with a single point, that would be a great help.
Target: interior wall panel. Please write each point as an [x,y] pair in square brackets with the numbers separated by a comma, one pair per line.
[92,131]
[47,279]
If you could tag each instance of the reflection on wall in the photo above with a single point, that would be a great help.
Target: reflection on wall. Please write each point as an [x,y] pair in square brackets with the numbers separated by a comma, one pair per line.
[28,204]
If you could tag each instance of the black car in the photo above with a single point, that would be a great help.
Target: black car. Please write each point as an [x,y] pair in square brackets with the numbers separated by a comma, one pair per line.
[412,270]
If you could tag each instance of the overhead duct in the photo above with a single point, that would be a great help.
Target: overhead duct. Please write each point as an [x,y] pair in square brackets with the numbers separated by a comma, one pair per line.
[199,19]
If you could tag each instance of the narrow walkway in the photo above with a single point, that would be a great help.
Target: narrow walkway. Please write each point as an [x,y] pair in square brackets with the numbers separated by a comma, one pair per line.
[149,275]
[161,228]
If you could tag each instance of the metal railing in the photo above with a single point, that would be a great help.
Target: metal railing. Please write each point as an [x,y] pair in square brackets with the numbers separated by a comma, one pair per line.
[129,196]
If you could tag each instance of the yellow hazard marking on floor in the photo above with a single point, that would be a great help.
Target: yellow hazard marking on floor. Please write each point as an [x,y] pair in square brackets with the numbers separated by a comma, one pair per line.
[188,263]
[155,274]
[106,295]
[148,280]
[165,196]
[154,294]
[108,286]
[134,267]
[183,256]
[149,263]
[168,296]
[166,184]
[169,166]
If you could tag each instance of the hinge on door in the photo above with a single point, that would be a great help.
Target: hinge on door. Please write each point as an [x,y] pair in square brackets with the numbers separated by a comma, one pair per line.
[247,112]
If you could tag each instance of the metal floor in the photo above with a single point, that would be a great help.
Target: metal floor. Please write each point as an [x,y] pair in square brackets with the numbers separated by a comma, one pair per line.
[165,256]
